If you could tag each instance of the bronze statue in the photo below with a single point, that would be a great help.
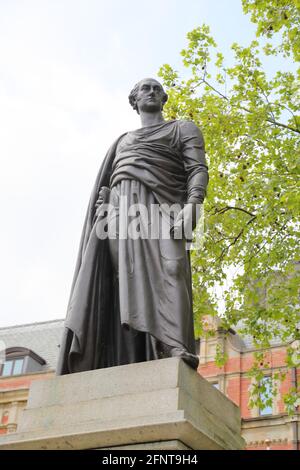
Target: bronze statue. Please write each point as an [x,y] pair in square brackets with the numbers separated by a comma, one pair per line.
[131,297]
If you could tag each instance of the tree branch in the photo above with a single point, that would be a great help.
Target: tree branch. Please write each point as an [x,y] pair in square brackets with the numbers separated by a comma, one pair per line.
[227,208]
[272,121]
[235,239]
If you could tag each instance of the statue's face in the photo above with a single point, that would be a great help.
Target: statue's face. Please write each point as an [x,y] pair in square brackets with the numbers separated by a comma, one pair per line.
[150,96]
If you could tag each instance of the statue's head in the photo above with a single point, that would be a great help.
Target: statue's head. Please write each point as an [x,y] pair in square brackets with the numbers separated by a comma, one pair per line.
[149,95]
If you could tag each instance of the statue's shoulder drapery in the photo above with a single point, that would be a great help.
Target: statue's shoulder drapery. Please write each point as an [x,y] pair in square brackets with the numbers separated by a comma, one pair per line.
[91,290]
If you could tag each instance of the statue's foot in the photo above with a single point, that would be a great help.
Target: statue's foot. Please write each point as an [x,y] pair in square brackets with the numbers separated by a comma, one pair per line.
[191,359]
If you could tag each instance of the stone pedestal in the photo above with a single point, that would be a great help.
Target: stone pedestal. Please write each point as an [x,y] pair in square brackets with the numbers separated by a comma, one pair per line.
[155,405]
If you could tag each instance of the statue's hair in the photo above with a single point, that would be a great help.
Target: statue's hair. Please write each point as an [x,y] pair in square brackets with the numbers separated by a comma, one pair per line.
[133,94]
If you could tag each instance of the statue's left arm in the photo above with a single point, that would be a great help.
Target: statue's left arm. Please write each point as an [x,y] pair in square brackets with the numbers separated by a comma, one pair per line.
[196,171]
[193,154]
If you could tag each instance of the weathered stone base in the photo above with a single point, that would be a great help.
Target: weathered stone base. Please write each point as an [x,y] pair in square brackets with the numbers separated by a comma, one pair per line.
[150,403]
[163,445]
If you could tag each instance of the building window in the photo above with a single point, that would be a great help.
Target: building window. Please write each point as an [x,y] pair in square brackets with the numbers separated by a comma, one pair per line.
[265,396]
[20,361]
[13,367]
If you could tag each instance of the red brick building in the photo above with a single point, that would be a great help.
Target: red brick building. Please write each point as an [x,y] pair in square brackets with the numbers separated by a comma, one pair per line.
[32,350]
[271,427]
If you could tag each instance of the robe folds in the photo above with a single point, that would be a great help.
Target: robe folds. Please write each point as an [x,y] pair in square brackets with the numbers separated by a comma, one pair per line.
[140,306]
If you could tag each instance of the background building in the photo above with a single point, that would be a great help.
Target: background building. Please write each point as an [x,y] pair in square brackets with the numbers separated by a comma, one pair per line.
[31,354]
[32,351]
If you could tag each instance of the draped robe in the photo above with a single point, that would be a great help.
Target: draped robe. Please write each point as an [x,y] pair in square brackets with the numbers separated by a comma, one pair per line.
[131,300]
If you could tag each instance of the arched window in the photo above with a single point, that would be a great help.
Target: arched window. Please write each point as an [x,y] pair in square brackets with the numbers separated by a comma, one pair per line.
[20,361]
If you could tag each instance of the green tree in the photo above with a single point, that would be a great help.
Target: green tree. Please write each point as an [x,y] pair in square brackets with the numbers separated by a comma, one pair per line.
[251,125]
[274,16]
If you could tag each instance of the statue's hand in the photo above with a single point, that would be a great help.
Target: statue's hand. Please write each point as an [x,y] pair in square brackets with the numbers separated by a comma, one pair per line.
[103,197]
[185,222]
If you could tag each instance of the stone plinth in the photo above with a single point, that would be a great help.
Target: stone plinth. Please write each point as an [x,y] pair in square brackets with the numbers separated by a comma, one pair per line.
[150,405]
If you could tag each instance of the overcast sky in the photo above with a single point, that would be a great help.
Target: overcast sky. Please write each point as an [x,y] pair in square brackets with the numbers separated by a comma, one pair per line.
[66,69]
